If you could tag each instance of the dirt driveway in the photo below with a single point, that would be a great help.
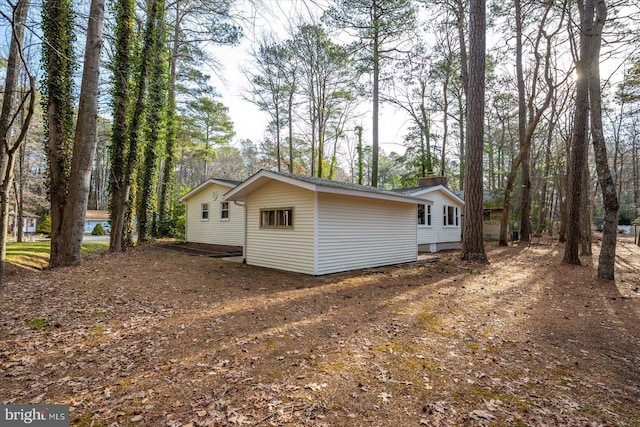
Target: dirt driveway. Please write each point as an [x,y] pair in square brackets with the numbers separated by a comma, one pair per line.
[163,338]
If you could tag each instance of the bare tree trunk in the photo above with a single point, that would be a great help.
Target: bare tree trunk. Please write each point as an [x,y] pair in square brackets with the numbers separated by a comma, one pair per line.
[464,75]
[522,130]
[547,170]
[607,259]
[84,144]
[585,208]
[578,158]
[472,239]
[9,110]
[445,122]
[376,100]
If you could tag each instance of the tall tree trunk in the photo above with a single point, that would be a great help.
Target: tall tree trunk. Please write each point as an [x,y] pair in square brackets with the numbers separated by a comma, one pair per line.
[120,131]
[464,75]
[8,149]
[157,88]
[547,170]
[360,156]
[166,202]
[123,201]
[472,239]
[578,158]
[290,124]
[376,95]
[585,208]
[522,128]
[59,64]
[606,261]
[84,144]
[445,122]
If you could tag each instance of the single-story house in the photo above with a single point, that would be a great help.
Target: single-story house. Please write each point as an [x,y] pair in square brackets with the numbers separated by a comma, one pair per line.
[95,217]
[209,218]
[29,221]
[316,226]
[439,217]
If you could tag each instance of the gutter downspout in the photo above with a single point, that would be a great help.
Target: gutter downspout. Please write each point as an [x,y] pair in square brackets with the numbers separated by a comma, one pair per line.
[244,247]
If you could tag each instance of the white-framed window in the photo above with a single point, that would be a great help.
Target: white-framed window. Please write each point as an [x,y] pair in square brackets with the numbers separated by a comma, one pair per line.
[224,210]
[204,211]
[276,218]
[424,215]
[451,216]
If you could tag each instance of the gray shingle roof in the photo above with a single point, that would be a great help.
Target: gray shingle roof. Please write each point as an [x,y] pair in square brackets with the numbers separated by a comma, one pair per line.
[338,184]
[228,181]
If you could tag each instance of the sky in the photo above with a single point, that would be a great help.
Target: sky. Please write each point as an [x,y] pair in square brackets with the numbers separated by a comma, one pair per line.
[230,81]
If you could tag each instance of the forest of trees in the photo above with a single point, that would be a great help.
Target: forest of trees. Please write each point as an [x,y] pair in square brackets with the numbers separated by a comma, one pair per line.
[108,106]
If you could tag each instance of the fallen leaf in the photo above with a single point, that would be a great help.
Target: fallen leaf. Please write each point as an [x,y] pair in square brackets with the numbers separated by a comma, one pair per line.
[385,396]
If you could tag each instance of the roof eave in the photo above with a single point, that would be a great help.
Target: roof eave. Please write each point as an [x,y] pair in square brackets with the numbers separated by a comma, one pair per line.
[202,186]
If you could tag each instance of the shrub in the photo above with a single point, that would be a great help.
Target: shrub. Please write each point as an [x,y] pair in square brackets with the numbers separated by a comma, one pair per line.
[44,227]
[98,230]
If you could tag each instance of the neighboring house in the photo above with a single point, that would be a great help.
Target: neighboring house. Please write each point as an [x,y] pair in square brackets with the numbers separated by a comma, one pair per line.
[209,218]
[29,221]
[316,226]
[94,218]
[439,218]
[491,215]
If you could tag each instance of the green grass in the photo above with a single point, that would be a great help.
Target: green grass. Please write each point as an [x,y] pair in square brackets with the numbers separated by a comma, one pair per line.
[36,254]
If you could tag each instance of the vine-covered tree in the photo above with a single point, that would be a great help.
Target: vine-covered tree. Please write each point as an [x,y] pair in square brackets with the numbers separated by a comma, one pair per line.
[122,200]
[153,132]
[121,88]
[58,63]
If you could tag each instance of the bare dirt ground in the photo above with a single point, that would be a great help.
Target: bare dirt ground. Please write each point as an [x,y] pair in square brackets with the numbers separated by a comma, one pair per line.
[162,338]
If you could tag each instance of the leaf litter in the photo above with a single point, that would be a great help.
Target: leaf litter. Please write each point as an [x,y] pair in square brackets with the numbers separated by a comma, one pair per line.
[152,338]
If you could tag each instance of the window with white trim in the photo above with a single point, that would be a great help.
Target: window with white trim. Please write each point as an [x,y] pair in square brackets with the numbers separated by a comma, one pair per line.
[424,215]
[276,218]
[204,211]
[224,210]
[451,216]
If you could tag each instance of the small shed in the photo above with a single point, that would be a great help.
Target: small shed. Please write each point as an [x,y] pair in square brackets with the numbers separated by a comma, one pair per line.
[439,217]
[210,219]
[95,217]
[316,226]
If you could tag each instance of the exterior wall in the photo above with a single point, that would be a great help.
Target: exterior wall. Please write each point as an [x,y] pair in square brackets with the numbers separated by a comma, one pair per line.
[437,233]
[214,231]
[357,232]
[284,249]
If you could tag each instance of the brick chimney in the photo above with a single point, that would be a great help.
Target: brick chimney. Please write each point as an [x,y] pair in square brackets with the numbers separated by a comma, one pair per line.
[431,181]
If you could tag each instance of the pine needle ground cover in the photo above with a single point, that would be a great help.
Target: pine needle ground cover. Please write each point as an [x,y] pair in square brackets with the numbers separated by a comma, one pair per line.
[154,337]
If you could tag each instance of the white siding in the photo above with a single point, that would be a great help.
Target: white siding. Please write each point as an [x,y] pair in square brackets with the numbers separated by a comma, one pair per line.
[357,232]
[284,249]
[438,233]
[214,231]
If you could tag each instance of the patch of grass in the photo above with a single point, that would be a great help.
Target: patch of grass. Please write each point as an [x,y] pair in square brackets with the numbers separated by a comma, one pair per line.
[98,329]
[92,247]
[39,323]
[99,313]
[36,254]
[86,420]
